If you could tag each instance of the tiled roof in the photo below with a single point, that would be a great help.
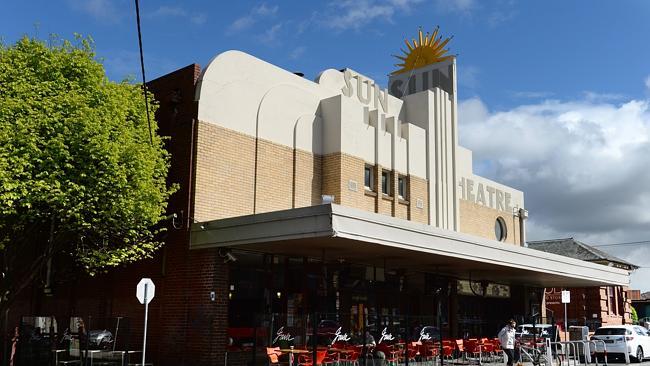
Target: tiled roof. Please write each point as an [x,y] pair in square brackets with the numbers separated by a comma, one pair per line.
[570,247]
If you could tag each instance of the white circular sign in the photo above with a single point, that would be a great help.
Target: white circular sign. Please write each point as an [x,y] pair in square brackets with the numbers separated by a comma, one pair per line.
[145,290]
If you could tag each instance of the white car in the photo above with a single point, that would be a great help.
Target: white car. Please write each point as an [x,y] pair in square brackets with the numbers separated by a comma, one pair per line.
[617,337]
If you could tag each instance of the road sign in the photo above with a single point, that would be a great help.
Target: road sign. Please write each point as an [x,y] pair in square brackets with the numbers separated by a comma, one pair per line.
[145,290]
[566,297]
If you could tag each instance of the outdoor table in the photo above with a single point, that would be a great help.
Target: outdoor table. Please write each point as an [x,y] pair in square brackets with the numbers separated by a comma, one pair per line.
[341,350]
[292,351]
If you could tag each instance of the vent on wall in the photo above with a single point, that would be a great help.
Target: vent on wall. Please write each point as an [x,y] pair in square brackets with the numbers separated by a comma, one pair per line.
[419,203]
[352,185]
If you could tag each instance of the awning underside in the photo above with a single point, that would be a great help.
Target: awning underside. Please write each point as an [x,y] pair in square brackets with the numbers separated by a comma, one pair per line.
[333,232]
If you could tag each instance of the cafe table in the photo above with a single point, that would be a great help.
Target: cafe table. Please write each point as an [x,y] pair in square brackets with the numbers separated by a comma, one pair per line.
[293,351]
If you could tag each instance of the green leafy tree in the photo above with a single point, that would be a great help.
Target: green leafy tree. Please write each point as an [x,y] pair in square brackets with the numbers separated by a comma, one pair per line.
[634,315]
[80,180]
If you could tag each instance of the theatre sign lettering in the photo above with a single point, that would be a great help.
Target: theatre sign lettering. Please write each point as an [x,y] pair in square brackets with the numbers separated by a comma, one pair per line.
[483,194]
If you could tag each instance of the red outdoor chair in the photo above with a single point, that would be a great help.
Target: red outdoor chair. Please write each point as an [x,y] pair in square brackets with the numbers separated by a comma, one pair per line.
[350,359]
[273,355]
[428,353]
[473,350]
[306,359]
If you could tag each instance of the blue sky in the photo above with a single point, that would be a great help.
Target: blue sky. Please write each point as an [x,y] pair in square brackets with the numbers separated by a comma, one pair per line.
[509,52]
[554,95]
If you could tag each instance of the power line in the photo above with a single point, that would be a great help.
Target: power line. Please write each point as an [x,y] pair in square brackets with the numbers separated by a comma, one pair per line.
[144,80]
[629,243]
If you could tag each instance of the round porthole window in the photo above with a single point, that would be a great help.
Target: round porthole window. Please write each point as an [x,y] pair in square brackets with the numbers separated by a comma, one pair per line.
[500,229]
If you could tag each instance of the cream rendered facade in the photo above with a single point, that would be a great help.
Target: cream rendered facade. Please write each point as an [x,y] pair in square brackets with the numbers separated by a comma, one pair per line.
[270,140]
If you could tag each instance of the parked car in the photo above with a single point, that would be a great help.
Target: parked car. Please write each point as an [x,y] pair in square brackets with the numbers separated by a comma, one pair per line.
[618,337]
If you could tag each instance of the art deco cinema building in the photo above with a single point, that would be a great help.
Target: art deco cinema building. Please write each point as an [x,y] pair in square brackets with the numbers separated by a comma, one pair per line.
[336,200]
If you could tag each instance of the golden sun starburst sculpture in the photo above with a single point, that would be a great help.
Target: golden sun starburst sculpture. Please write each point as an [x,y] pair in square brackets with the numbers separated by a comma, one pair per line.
[426,50]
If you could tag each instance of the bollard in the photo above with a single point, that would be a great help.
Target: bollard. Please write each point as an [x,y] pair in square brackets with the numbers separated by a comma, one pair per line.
[626,352]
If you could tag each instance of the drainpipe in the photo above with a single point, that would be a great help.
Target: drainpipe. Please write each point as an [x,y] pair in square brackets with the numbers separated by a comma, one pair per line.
[523,216]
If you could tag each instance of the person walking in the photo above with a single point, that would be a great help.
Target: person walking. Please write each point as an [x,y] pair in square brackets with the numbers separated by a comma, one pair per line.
[507,339]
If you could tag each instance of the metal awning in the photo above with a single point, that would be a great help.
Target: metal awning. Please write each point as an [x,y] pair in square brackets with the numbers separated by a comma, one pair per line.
[334,232]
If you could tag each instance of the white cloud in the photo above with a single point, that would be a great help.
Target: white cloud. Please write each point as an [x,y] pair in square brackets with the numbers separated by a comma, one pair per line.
[457,6]
[165,11]
[355,14]
[582,165]
[270,36]
[532,94]
[297,53]
[102,10]
[494,13]
[603,97]
[256,14]
[500,16]
[468,77]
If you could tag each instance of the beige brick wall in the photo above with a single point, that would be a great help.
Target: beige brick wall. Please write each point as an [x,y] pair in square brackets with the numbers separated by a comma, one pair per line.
[225,169]
[235,176]
[230,182]
[308,179]
[418,190]
[274,186]
[331,176]
[479,220]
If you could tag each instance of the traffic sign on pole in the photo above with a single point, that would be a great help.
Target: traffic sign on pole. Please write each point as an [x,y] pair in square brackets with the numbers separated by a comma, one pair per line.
[145,292]
[566,298]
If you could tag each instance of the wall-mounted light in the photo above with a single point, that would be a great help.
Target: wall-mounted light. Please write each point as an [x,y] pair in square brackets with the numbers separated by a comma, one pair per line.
[229,257]
[278,294]
[230,296]
[327,198]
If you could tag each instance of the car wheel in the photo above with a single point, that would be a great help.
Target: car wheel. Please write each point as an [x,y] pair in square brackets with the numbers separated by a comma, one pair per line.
[639,354]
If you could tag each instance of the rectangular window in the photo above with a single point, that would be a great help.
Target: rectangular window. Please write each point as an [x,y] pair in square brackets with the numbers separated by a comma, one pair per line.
[612,300]
[402,187]
[385,182]
[368,178]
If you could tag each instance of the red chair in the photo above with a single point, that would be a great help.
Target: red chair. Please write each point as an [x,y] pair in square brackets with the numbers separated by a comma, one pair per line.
[273,355]
[473,349]
[488,350]
[460,347]
[411,353]
[428,353]
[447,352]
[306,359]
[351,359]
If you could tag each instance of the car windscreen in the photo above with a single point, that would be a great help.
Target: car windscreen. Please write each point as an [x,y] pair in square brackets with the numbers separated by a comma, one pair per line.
[610,331]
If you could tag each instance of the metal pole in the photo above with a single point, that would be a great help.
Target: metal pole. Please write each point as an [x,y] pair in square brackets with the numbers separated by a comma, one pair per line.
[146,315]
[407,339]
[364,350]
[566,325]
[314,354]
[117,329]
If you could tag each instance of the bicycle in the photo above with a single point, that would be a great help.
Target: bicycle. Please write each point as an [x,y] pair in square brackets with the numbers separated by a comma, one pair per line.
[536,354]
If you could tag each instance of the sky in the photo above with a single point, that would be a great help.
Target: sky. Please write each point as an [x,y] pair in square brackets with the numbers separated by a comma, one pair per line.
[554,95]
